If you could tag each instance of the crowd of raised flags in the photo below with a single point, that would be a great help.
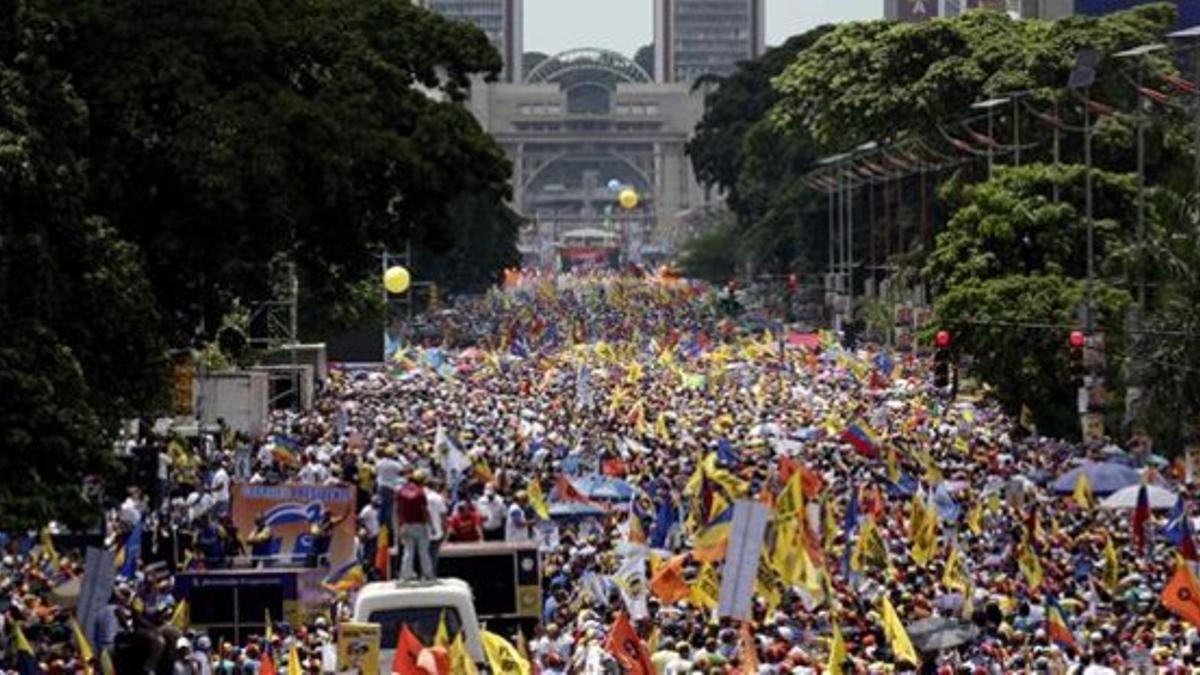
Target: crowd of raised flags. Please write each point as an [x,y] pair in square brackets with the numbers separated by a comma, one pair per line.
[906,530]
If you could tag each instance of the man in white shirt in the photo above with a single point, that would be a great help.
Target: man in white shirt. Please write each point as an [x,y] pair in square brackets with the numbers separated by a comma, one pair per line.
[516,525]
[491,507]
[438,512]
[368,532]
[219,487]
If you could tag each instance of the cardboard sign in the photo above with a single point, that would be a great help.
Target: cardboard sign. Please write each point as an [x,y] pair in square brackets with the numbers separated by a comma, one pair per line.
[746,534]
[358,649]
[291,511]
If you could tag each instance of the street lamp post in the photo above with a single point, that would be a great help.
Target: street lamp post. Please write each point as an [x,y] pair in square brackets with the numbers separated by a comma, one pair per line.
[1193,35]
[1082,78]
[990,106]
[1140,53]
[1135,371]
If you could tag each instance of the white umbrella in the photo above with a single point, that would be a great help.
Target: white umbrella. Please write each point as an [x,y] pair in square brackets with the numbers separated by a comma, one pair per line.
[1126,498]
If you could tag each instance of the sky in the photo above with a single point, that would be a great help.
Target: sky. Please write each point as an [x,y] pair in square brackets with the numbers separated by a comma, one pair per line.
[552,26]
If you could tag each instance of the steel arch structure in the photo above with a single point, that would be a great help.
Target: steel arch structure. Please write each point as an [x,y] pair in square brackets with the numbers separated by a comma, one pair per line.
[588,58]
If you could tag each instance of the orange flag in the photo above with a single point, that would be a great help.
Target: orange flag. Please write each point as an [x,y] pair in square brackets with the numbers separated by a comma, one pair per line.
[267,666]
[1182,594]
[383,555]
[624,644]
[748,650]
[667,584]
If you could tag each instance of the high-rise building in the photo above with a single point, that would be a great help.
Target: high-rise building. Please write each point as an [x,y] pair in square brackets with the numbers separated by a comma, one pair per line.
[705,37]
[920,10]
[501,20]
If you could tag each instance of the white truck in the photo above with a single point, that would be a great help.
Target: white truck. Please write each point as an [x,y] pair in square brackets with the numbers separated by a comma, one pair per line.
[420,606]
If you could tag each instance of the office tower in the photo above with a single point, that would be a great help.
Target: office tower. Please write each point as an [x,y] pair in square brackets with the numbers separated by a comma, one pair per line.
[705,37]
[921,10]
[501,20]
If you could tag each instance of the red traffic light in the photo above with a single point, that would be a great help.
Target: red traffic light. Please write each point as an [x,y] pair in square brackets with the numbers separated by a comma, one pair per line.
[1077,339]
[942,339]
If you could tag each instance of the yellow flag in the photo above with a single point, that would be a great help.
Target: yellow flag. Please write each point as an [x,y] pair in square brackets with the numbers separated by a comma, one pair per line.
[790,504]
[955,575]
[48,545]
[106,664]
[706,589]
[925,545]
[1112,565]
[837,652]
[869,549]
[896,635]
[536,499]
[975,518]
[1083,492]
[1030,565]
[503,658]
[461,662]
[86,654]
[917,513]
[829,526]
[181,618]
[660,428]
[893,467]
[294,662]
[442,638]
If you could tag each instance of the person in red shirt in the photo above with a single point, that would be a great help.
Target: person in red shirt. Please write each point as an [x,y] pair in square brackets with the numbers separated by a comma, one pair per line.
[412,521]
[465,523]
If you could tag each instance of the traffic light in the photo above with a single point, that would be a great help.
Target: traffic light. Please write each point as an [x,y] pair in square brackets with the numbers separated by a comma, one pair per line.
[1077,340]
[941,359]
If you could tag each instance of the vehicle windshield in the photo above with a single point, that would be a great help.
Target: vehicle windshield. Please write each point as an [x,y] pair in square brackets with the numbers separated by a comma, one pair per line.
[422,621]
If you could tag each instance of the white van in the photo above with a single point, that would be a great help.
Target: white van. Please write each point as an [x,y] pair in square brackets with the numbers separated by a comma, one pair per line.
[420,606]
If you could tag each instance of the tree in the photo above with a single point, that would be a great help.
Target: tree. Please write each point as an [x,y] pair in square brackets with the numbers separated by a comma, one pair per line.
[712,254]
[80,346]
[224,133]
[644,57]
[1009,275]
[881,80]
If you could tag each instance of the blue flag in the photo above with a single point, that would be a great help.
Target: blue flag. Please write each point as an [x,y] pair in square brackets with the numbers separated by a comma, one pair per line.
[725,453]
[133,550]
[665,518]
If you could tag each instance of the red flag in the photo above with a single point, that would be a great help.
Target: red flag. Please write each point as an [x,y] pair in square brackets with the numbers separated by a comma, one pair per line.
[408,650]
[787,466]
[614,467]
[267,667]
[812,482]
[567,492]
[1141,515]
[624,644]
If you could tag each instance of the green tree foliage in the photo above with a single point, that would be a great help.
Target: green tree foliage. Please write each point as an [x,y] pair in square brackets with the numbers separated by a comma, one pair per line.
[879,80]
[156,158]
[79,346]
[738,150]
[712,255]
[1028,365]
[1012,262]
[224,132]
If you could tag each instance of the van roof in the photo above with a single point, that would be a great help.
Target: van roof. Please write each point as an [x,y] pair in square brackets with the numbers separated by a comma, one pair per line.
[417,591]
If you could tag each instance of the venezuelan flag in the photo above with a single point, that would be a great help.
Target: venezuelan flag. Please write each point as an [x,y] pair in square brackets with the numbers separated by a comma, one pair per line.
[860,435]
[1056,625]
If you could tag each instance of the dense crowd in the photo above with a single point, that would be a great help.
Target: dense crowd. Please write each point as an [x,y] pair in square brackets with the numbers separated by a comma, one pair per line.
[909,530]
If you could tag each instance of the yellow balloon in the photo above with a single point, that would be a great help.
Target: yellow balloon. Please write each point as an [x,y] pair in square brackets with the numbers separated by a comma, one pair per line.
[628,198]
[396,279]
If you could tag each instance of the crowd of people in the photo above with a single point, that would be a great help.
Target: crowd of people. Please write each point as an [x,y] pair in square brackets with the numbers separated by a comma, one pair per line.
[908,530]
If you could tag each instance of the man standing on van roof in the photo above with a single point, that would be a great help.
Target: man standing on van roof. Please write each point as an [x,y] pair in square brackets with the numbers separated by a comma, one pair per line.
[412,519]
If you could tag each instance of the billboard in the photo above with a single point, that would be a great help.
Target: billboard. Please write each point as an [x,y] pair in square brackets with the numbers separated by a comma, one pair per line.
[291,511]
